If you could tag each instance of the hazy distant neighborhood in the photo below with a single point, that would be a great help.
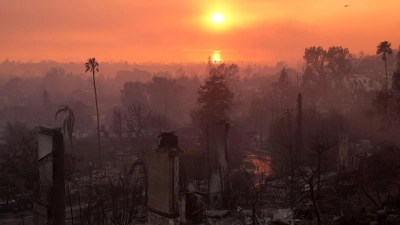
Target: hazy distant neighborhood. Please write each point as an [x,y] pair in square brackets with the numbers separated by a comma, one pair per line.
[216,142]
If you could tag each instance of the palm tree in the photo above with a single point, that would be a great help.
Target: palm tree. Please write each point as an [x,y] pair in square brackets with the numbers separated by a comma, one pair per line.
[69,122]
[384,48]
[93,66]
[398,59]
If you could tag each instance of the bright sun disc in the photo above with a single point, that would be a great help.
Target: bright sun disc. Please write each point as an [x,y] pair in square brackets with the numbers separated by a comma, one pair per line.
[218,18]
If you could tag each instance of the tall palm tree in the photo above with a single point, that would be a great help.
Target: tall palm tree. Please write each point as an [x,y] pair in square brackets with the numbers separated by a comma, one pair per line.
[385,49]
[93,66]
[69,122]
[398,59]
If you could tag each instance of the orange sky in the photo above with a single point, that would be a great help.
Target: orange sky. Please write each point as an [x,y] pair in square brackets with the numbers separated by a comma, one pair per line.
[181,30]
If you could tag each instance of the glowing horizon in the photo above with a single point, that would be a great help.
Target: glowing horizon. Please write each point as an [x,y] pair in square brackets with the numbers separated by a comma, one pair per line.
[183,31]
[216,57]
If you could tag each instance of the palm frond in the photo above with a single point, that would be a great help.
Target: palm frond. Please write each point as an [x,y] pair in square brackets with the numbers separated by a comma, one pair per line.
[72,120]
[62,108]
[92,65]
[69,126]
[69,121]
[64,126]
[384,48]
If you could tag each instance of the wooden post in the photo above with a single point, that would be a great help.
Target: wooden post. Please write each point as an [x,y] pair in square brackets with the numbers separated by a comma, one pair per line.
[80,208]
[70,206]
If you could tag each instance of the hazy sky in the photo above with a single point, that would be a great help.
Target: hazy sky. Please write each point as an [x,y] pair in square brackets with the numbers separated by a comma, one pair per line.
[181,30]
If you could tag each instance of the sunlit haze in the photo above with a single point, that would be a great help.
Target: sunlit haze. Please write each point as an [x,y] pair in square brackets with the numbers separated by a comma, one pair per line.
[218,18]
[188,30]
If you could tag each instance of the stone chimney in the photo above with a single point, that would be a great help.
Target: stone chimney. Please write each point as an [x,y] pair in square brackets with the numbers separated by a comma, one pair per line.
[219,177]
[163,180]
[221,147]
[50,206]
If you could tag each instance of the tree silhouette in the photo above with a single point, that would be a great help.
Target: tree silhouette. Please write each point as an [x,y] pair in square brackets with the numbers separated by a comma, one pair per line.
[299,120]
[93,66]
[284,82]
[338,64]
[315,58]
[398,59]
[46,106]
[69,122]
[385,49]
[133,92]
[46,99]
[327,66]
[214,98]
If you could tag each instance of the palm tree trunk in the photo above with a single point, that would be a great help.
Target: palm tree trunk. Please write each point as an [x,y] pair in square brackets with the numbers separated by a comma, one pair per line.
[98,120]
[387,82]
[72,145]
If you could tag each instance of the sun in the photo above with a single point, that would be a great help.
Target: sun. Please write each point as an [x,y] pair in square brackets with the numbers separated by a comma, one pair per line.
[217,18]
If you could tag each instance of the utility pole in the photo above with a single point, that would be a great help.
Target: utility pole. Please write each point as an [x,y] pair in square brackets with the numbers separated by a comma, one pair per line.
[90,180]
[105,169]
[208,157]
[261,130]
[165,109]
